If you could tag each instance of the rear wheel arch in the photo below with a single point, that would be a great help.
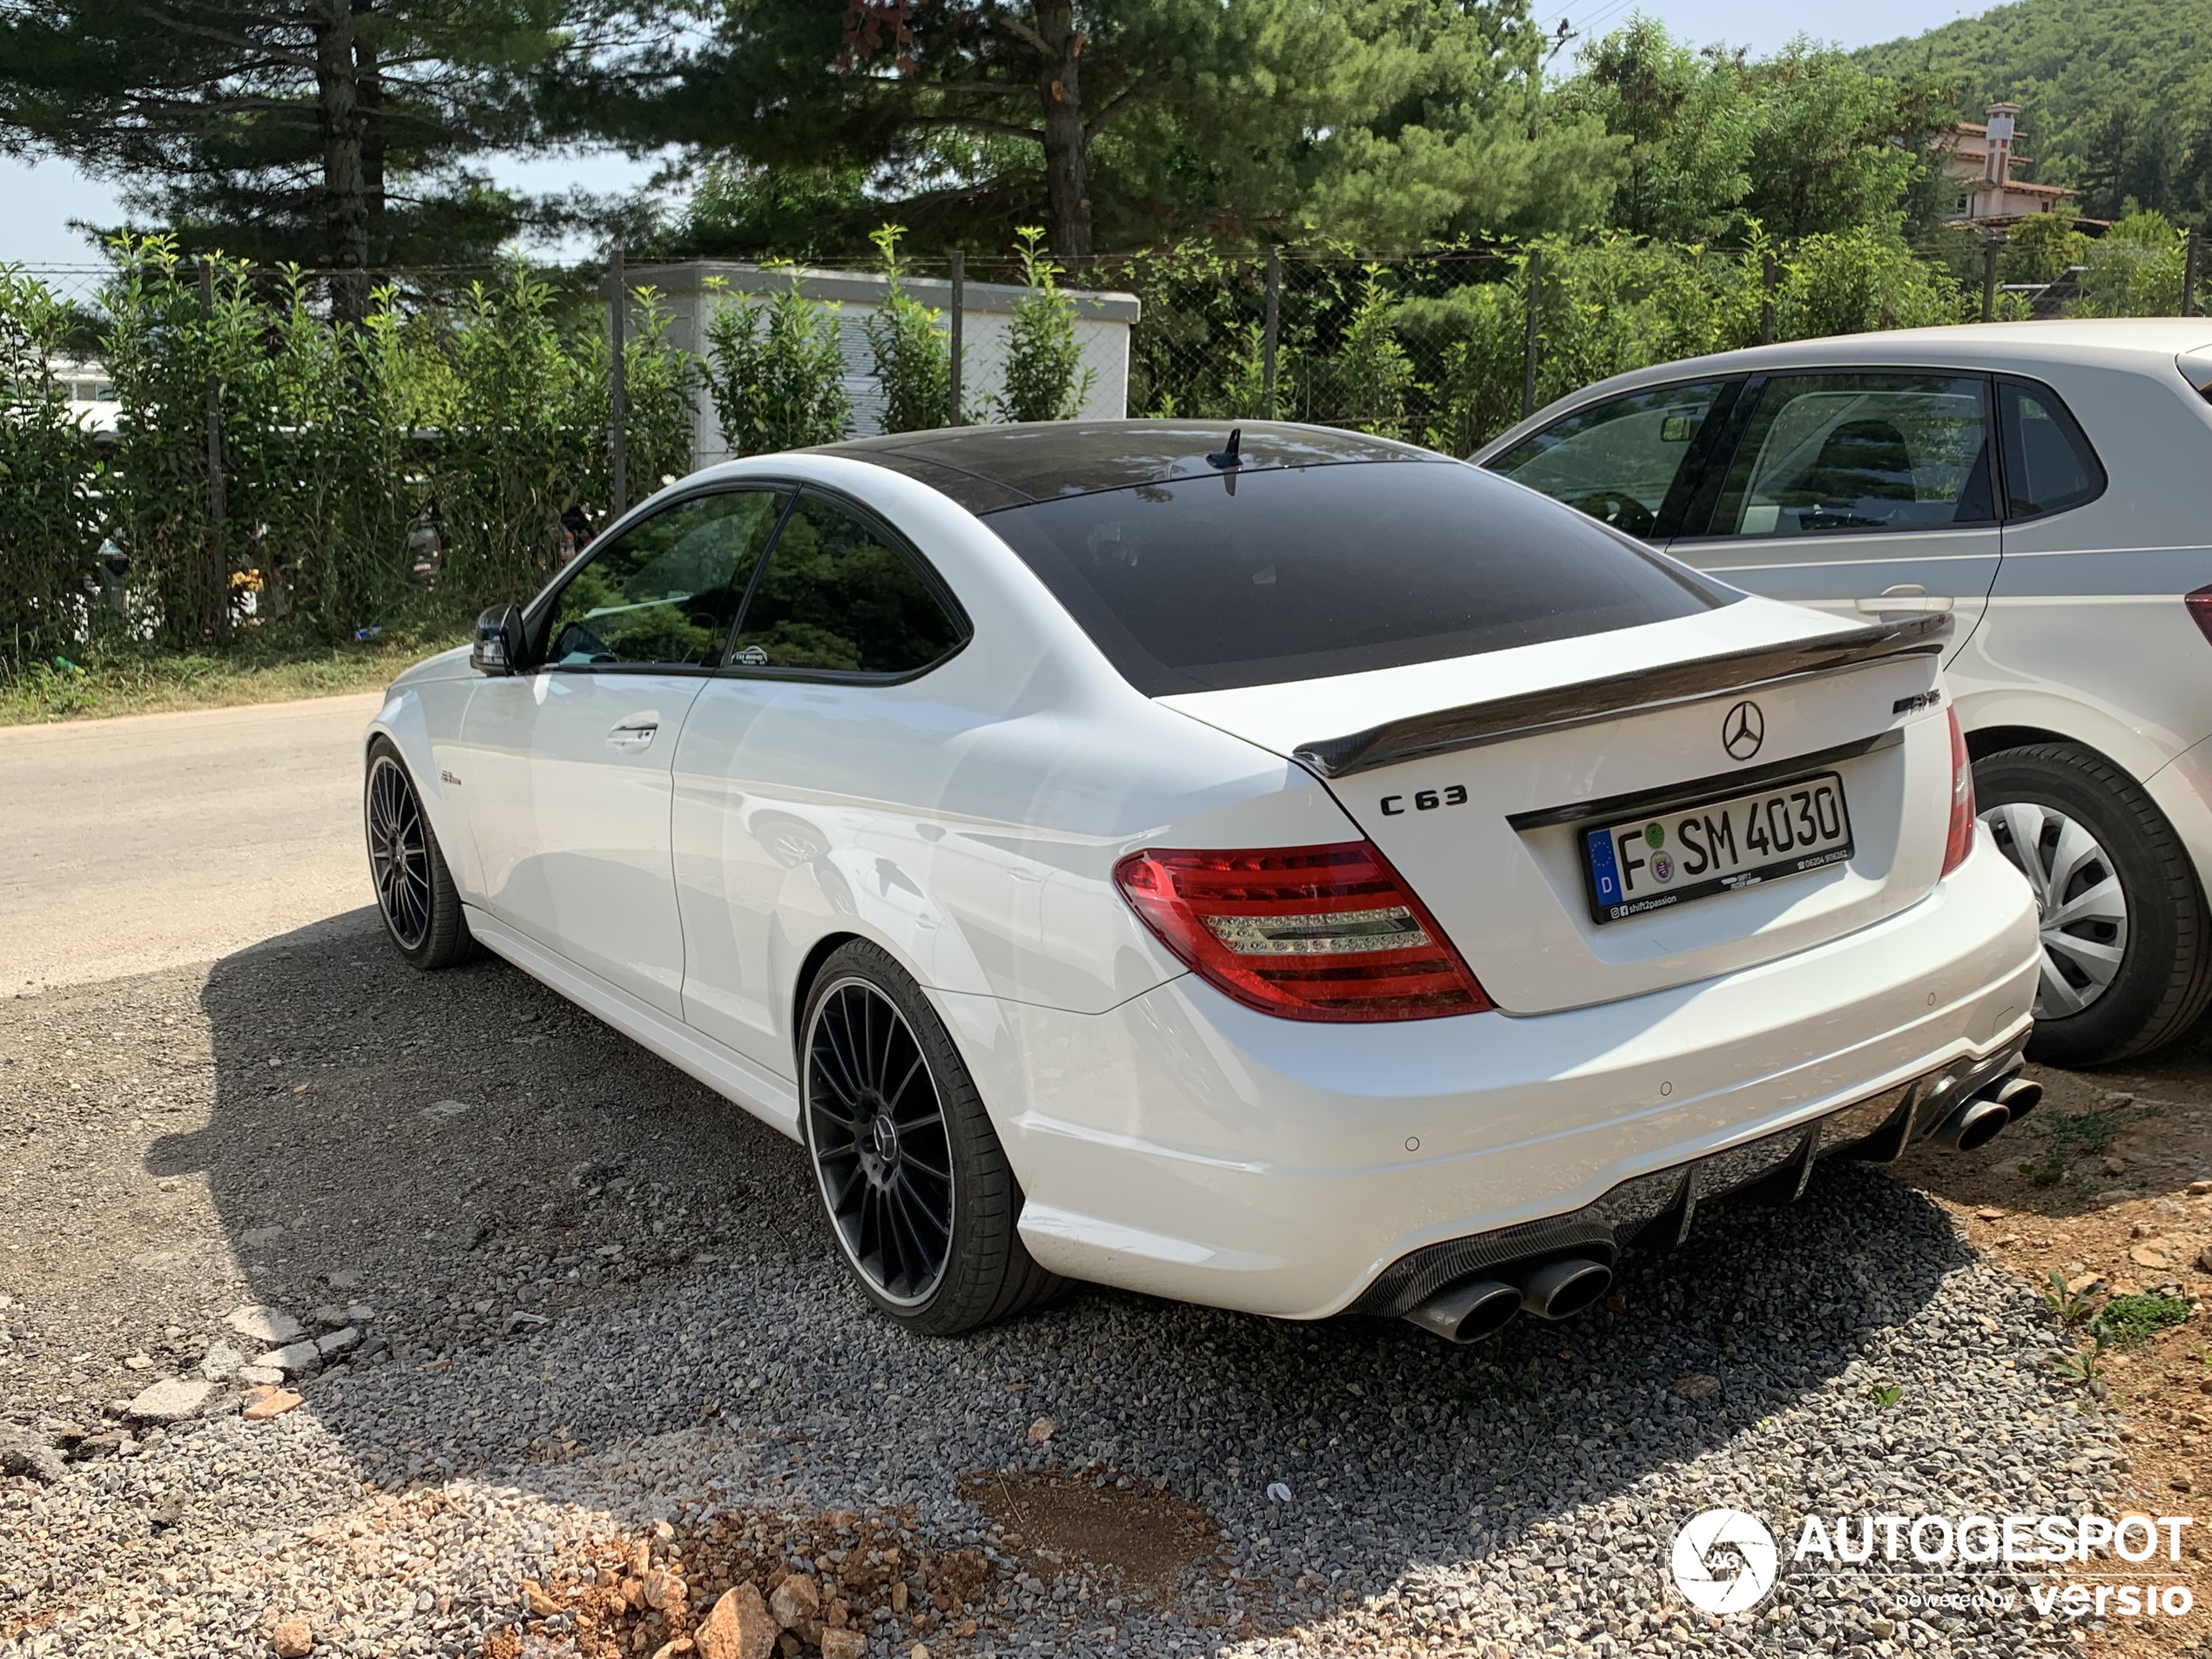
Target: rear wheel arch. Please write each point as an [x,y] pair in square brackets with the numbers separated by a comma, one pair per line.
[810,970]
[927,1211]
[1994,739]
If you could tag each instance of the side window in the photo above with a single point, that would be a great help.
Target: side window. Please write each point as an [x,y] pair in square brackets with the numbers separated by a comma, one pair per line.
[666,592]
[2049,466]
[1618,461]
[838,593]
[1826,452]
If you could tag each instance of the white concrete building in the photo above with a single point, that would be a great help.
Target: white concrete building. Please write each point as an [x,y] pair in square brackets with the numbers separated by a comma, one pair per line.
[1102,321]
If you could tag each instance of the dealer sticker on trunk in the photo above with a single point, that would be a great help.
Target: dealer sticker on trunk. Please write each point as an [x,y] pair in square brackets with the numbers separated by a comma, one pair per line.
[1693,852]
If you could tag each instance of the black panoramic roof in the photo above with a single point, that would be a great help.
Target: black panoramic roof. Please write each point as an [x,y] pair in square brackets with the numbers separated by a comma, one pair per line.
[988,467]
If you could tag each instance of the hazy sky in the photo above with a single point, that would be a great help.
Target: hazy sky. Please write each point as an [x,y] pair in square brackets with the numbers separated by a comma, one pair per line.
[37,202]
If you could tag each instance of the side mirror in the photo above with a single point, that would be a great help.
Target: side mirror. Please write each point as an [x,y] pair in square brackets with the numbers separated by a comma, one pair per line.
[498,649]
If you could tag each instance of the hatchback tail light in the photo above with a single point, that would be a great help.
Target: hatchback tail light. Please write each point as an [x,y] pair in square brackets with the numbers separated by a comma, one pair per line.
[1307,932]
[1962,799]
[2200,604]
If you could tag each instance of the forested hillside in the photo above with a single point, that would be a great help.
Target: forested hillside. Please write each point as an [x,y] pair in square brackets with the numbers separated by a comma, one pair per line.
[2115,95]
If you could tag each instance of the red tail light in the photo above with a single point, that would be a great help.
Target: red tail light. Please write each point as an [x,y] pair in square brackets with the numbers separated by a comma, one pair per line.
[1962,800]
[1307,932]
[2200,604]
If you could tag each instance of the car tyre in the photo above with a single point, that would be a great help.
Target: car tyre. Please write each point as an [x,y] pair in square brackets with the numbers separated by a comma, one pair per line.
[2126,953]
[916,1188]
[415,890]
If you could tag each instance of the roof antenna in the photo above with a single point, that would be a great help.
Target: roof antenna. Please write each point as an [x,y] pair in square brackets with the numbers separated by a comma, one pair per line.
[1228,458]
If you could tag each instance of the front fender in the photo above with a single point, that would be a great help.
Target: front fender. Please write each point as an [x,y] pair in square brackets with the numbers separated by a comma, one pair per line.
[423,721]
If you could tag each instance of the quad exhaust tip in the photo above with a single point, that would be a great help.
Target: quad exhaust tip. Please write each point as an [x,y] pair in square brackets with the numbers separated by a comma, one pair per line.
[1561,1290]
[1469,1310]
[2018,1097]
[1978,1120]
[1975,1124]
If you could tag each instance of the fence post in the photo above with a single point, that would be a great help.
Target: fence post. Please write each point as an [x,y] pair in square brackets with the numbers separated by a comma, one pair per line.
[216,504]
[1769,280]
[1528,353]
[618,390]
[1273,329]
[960,307]
[2189,276]
[1989,277]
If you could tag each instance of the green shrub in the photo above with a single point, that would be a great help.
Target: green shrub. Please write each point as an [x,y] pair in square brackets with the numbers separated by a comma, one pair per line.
[519,411]
[912,355]
[2134,269]
[1855,280]
[776,371]
[1370,377]
[49,476]
[160,356]
[1043,377]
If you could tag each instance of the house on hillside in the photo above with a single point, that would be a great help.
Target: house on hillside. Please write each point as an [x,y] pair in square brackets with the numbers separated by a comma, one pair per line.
[1978,163]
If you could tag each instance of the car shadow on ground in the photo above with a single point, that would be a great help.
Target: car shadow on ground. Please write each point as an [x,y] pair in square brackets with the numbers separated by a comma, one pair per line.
[565,1247]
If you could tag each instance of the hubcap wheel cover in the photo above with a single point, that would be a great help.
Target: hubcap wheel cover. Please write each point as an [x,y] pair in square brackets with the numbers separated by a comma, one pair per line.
[2081,908]
[875,1131]
[399,854]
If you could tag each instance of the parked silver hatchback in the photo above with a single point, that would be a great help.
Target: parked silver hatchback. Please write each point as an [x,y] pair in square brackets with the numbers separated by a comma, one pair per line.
[2044,483]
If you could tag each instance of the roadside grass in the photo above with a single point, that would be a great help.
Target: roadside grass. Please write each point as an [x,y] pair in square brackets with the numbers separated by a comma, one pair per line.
[2069,1136]
[254,668]
[2133,1319]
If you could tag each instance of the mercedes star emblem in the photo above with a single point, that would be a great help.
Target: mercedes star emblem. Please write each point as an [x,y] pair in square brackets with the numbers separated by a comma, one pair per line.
[1743,730]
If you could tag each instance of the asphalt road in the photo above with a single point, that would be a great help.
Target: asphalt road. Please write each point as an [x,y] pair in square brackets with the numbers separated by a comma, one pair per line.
[158,840]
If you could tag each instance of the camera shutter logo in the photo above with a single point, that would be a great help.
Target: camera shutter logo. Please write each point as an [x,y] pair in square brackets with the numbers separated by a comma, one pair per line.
[1709,1530]
[1742,730]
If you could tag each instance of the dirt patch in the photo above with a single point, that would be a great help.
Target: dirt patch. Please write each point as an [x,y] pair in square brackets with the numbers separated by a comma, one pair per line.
[1143,1542]
[817,1572]
[2102,1200]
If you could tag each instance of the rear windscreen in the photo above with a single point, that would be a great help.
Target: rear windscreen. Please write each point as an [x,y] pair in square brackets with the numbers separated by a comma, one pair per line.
[1205,585]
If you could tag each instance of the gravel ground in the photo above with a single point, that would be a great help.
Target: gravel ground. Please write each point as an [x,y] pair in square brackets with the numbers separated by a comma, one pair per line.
[591,1296]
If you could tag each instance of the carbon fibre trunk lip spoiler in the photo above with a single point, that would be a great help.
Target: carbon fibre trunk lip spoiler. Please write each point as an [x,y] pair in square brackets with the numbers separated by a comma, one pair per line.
[1560,707]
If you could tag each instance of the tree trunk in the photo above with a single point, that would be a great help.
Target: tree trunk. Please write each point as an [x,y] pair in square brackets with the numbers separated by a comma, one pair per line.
[1067,184]
[345,196]
[369,80]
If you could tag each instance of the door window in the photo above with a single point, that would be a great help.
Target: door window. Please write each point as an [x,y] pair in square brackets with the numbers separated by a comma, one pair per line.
[1844,453]
[665,592]
[840,595]
[2049,464]
[1620,460]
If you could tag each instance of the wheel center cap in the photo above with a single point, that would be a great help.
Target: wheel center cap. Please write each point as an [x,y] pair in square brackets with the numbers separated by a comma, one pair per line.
[884,1135]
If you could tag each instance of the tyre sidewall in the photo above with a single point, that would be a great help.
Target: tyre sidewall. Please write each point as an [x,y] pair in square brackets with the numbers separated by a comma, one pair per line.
[2160,889]
[446,940]
[977,1163]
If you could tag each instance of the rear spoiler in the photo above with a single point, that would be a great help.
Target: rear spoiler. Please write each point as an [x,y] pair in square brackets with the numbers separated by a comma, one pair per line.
[1558,707]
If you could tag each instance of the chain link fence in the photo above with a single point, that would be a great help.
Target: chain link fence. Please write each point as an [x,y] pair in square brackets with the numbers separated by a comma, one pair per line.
[190,448]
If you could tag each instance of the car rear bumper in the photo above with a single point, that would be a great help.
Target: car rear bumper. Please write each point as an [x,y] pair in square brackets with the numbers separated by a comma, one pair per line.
[1185,1146]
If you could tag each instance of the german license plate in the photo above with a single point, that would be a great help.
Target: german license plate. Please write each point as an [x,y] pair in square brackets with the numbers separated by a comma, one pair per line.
[1690,853]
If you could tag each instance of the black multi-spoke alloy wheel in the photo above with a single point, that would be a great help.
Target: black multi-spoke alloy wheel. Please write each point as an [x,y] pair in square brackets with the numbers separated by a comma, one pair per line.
[414,891]
[917,1189]
[2127,940]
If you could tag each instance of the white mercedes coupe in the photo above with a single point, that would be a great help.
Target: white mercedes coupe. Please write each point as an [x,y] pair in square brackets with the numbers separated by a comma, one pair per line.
[1277,868]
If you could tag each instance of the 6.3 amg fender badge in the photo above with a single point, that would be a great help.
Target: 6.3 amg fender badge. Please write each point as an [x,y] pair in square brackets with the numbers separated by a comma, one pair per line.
[1742,730]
